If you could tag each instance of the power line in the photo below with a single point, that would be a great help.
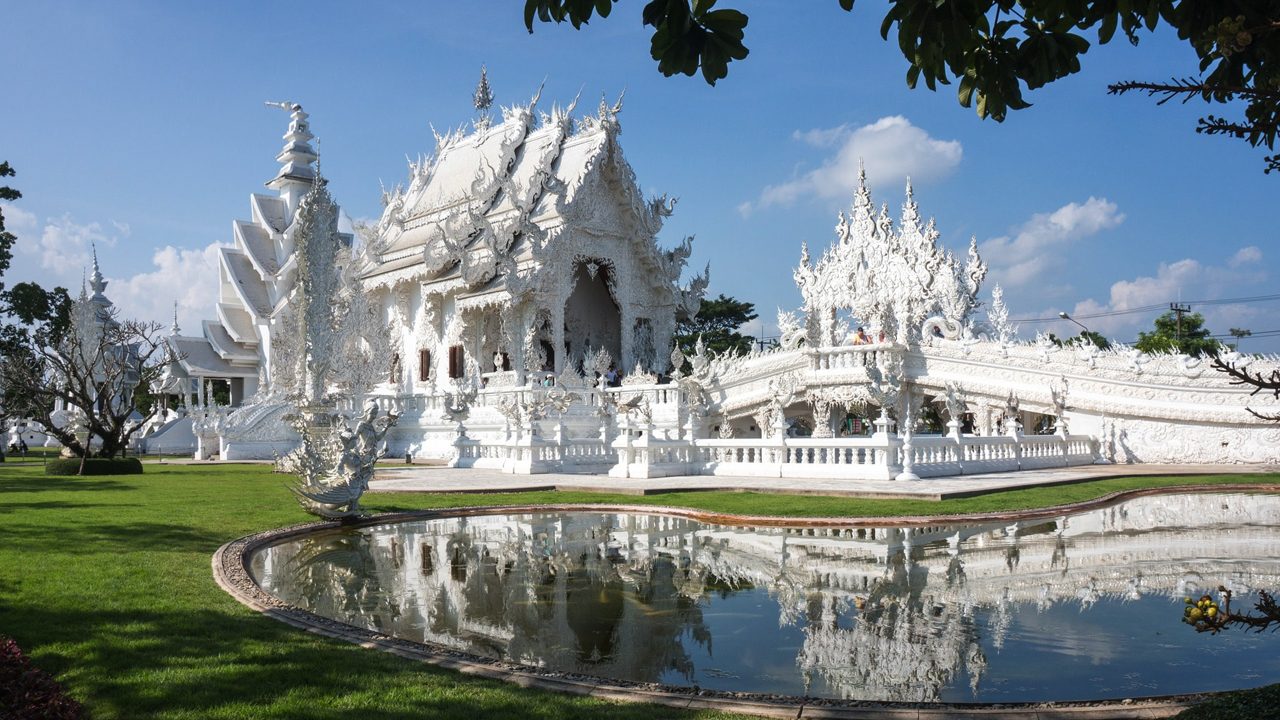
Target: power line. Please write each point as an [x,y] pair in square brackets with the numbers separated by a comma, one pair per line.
[1149,308]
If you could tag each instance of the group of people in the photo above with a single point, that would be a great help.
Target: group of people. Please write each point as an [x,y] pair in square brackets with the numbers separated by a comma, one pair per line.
[860,337]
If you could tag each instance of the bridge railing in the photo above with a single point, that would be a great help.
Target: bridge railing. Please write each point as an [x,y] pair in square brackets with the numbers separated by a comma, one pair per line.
[879,457]
[533,455]
[855,458]
[847,357]
[938,456]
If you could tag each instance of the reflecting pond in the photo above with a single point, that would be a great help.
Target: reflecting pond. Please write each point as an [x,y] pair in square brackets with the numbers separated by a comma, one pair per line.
[1085,606]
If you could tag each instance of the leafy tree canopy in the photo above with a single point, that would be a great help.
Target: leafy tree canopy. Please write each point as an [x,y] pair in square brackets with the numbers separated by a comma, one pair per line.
[996,48]
[1085,337]
[6,237]
[717,322]
[1192,339]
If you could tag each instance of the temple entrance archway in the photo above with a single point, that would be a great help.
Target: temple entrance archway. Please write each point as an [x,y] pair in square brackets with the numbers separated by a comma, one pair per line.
[592,318]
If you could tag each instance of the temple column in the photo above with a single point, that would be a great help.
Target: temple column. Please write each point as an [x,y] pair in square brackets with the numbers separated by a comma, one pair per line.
[821,417]
[475,362]
[626,332]
[520,319]
[557,337]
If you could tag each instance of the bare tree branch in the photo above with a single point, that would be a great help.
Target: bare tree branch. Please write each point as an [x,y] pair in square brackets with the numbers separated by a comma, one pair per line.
[1260,382]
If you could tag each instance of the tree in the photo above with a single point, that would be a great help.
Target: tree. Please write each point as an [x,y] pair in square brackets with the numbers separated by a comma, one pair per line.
[6,237]
[717,323]
[89,358]
[1171,335]
[995,48]
[1239,334]
[1086,337]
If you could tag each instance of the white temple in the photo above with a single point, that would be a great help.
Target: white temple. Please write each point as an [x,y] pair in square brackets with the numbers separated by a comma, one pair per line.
[520,262]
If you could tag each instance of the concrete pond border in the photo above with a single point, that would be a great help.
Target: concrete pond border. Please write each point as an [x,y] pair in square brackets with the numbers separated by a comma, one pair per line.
[231,571]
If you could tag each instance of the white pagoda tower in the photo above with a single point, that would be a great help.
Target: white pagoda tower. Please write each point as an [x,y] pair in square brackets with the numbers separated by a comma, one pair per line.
[256,276]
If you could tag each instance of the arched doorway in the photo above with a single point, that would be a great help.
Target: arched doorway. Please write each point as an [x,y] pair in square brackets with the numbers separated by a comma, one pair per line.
[592,318]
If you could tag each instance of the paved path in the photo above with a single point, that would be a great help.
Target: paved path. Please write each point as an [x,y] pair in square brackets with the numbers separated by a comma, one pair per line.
[436,478]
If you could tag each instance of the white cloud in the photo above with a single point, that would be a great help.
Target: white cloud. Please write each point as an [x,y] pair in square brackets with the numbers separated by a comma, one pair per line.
[62,255]
[66,247]
[186,276]
[1245,256]
[892,149]
[1184,279]
[1038,245]
[822,138]
[19,221]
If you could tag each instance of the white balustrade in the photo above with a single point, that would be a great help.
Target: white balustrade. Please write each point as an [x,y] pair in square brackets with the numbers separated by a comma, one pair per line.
[853,458]
[847,357]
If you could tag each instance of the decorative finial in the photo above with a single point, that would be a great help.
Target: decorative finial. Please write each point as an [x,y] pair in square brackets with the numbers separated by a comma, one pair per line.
[297,155]
[483,97]
[174,329]
[96,281]
[483,100]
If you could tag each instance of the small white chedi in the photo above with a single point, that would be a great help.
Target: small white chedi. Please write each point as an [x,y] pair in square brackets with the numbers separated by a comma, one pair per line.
[518,270]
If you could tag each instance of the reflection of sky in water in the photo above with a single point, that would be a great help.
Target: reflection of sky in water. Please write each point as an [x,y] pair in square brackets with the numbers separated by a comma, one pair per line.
[1076,608]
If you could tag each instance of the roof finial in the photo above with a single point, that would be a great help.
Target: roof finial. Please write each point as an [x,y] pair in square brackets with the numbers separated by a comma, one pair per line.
[96,280]
[483,97]
[297,155]
[174,329]
[483,100]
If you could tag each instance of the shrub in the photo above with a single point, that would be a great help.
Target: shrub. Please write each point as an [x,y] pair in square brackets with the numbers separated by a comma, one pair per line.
[29,692]
[94,466]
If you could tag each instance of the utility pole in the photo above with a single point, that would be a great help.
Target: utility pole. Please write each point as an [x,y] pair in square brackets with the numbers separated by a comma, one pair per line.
[1179,309]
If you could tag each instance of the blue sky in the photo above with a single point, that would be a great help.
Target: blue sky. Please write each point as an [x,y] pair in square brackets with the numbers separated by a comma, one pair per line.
[140,126]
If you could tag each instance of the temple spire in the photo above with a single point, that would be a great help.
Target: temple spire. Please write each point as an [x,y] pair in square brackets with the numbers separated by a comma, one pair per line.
[296,174]
[483,100]
[483,97]
[174,329]
[96,281]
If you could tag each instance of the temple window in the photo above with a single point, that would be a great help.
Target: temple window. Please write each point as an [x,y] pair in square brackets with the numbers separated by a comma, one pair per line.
[455,361]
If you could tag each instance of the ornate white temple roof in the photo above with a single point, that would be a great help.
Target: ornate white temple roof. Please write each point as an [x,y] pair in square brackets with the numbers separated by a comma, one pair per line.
[199,359]
[484,190]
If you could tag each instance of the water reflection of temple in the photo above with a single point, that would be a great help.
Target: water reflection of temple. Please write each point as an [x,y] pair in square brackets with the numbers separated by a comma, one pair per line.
[886,613]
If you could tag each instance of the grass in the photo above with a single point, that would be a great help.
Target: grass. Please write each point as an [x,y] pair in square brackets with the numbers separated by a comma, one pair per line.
[799,506]
[1244,704]
[105,582]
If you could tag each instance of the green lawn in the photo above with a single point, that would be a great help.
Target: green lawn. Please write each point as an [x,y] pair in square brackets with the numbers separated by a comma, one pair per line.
[106,583]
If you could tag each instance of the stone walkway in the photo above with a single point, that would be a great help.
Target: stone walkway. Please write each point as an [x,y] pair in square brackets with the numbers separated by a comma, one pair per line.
[436,478]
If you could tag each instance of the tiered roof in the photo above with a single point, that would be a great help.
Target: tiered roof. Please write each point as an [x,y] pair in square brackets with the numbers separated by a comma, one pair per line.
[497,194]
[257,274]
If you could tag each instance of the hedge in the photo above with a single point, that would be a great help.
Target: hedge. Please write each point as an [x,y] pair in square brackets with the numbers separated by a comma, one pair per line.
[94,466]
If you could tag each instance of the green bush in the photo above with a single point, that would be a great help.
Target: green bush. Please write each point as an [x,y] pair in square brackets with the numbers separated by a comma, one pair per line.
[94,466]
